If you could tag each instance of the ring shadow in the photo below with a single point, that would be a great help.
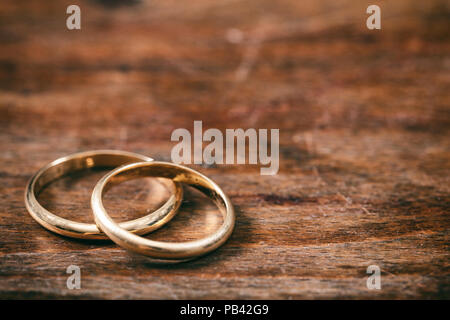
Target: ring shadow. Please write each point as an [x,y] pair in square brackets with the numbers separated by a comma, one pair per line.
[216,256]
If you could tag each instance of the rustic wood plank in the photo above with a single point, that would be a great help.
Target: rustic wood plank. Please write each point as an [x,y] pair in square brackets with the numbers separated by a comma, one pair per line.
[364,133]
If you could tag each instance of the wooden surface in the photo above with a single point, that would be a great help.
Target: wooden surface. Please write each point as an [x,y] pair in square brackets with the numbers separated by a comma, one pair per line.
[364,143]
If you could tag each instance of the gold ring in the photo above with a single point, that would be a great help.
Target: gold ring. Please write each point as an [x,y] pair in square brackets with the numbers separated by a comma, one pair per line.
[84,160]
[158,249]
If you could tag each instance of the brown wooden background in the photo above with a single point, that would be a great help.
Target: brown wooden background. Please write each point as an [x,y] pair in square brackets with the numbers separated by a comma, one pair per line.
[364,124]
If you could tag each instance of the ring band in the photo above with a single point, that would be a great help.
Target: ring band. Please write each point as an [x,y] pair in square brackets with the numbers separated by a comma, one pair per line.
[158,249]
[84,160]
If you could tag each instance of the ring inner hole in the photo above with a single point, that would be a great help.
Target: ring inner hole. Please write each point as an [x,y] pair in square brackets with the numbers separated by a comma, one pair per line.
[197,217]
[69,196]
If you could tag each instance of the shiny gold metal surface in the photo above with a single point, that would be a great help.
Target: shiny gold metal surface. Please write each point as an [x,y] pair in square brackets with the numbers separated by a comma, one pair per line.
[159,249]
[84,160]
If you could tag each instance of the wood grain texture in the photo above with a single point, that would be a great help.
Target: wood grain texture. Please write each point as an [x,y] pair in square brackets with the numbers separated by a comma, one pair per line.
[364,143]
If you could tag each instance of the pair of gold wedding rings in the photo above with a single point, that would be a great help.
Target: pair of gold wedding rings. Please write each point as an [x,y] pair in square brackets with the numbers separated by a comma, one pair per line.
[128,166]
